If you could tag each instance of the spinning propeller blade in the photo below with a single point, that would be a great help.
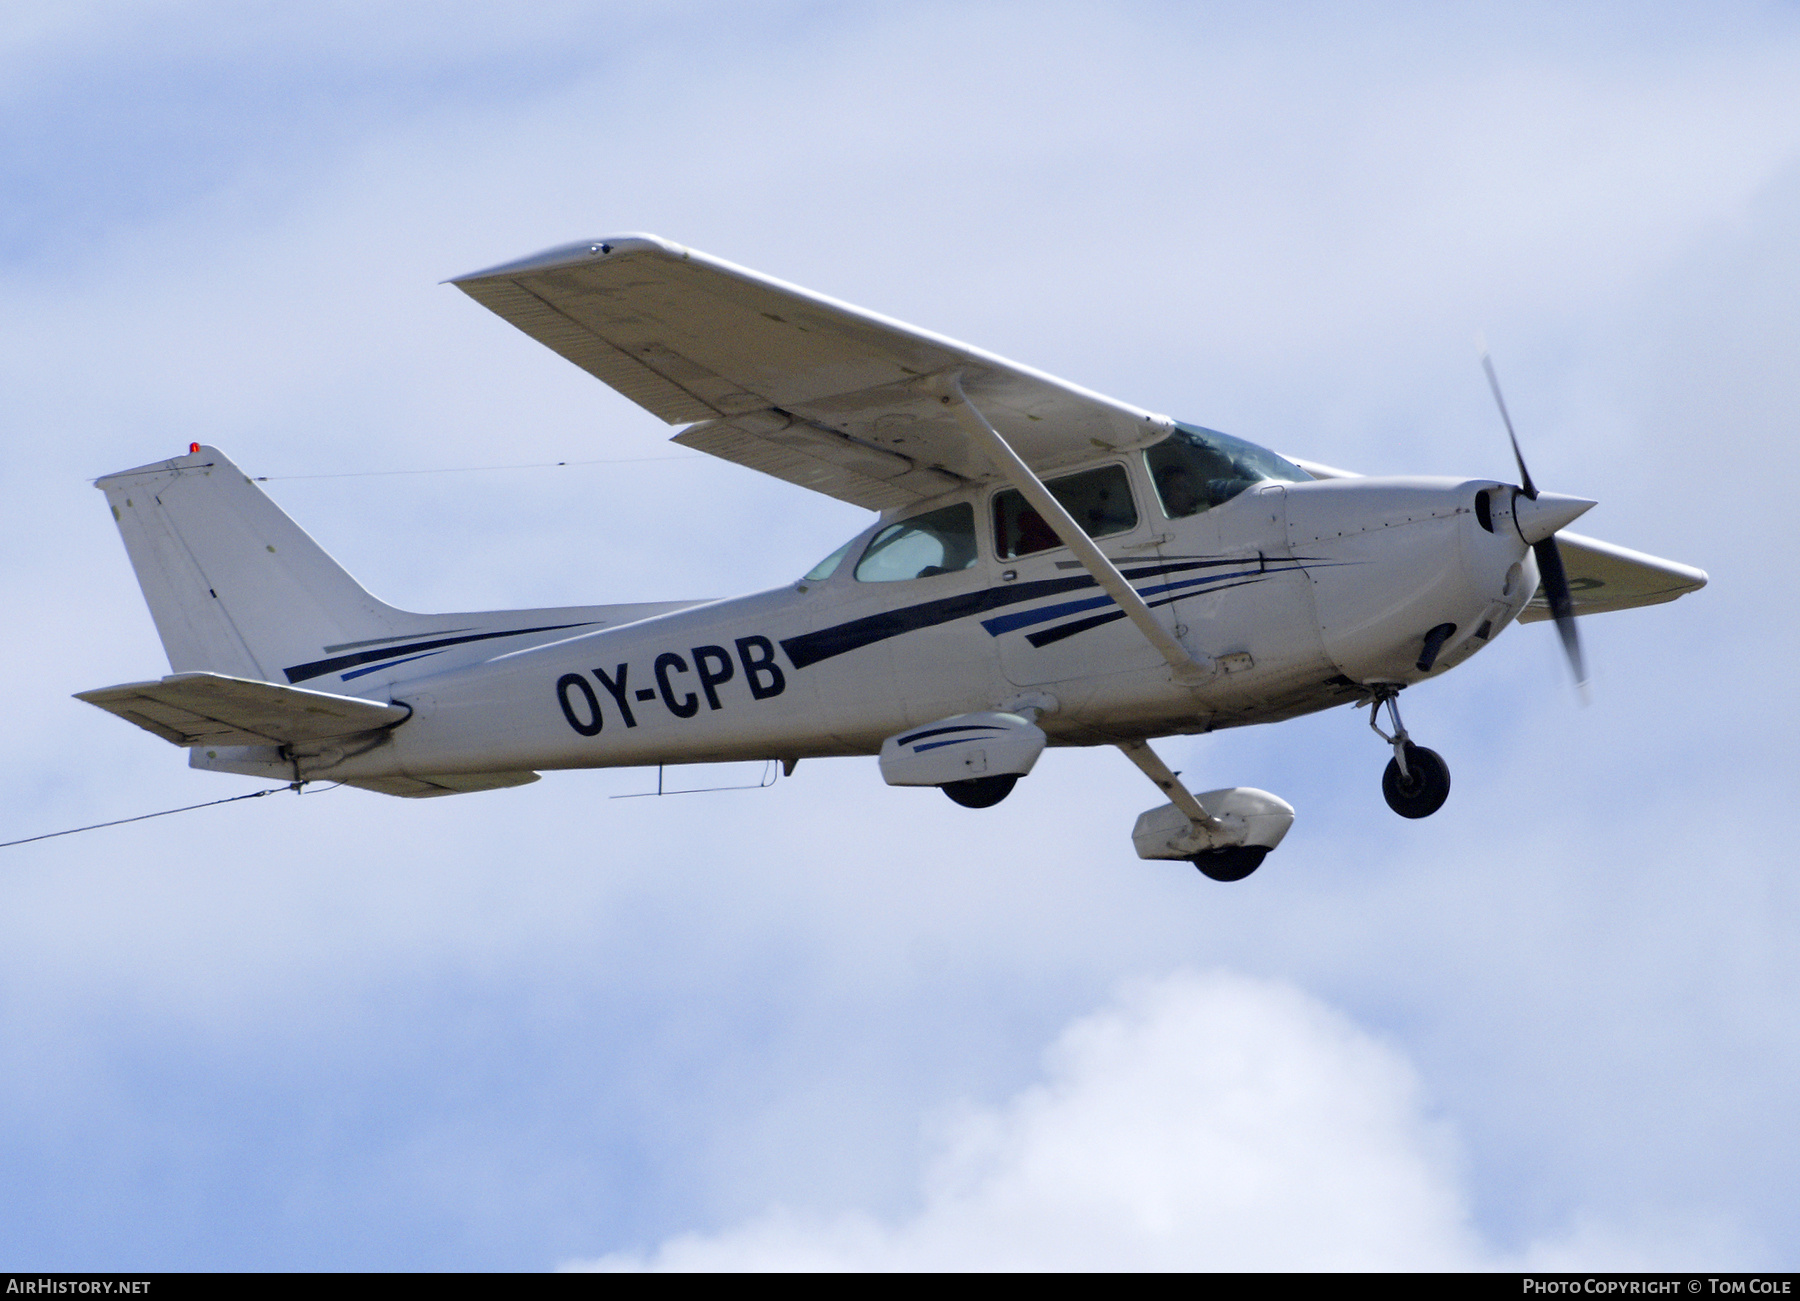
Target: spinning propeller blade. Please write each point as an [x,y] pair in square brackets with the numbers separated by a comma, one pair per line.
[1549,558]
[1562,607]
[1530,489]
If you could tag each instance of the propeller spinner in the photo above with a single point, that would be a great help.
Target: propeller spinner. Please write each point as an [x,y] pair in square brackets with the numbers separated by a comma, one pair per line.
[1538,516]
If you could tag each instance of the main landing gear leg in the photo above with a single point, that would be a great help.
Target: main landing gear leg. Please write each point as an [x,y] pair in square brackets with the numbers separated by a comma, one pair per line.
[1417,780]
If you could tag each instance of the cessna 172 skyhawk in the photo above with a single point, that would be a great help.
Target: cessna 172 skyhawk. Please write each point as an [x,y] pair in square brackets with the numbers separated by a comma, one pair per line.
[1049,566]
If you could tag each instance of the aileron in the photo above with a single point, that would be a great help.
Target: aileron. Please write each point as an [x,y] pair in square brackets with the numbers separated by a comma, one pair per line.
[656,392]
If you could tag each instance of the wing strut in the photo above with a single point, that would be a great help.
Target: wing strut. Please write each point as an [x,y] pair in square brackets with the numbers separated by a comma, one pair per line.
[1189,670]
[1140,753]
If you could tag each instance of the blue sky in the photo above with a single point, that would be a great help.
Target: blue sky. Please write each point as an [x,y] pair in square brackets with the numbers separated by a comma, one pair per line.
[832,1022]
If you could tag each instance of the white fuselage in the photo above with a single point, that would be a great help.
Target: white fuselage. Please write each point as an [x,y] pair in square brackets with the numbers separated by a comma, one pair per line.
[1304,594]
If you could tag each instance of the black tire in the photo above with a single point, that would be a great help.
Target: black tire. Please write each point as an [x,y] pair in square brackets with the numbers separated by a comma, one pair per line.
[1233,863]
[981,792]
[1423,790]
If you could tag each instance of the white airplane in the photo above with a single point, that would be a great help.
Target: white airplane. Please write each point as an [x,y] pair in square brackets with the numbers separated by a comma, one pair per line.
[1049,567]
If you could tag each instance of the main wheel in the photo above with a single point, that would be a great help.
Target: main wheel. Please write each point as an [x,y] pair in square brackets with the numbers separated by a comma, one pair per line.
[981,792]
[1232,863]
[1424,788]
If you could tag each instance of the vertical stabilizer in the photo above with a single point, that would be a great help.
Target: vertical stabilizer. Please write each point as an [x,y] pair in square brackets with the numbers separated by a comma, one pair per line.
[235,586]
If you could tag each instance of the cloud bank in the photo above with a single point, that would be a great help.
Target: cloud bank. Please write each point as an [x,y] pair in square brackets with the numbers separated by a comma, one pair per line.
[1199,1122]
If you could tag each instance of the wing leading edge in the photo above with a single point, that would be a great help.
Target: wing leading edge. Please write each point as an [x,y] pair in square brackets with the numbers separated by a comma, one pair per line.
[797,385]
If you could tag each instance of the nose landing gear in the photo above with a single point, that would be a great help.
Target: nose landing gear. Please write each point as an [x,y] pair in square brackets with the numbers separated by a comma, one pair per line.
[1417,780]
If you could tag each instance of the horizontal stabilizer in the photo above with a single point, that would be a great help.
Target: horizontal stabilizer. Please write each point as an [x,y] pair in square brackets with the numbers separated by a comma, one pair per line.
[212,709]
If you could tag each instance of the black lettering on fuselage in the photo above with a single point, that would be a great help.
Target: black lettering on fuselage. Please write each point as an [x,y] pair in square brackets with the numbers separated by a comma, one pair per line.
[760,666]
[595,721]
[617,688]
[690,703]
[713,665]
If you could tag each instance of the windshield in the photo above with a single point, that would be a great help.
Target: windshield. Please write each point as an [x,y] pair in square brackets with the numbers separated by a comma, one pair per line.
[1195,469]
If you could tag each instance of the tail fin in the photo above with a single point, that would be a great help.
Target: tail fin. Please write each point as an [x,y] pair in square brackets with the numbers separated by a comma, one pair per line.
[234,585]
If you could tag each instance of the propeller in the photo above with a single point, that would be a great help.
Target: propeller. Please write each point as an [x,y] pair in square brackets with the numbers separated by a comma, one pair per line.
[1537,524]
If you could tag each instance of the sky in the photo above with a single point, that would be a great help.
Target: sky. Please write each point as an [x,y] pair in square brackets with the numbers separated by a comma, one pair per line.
[829,1023]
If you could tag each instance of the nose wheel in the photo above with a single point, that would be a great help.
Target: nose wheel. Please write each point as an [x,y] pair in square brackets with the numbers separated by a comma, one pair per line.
[1420,788]
[1417,780]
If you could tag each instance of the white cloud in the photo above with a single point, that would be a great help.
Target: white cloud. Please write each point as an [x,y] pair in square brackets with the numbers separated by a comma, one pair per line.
[1199,1122]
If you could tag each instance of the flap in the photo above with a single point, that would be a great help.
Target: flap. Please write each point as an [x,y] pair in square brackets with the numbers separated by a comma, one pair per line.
[819,458]
[693,338]
[212,709]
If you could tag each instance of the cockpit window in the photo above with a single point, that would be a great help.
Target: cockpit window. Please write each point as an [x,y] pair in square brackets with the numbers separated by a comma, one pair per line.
[1195,469]
[1100,501]
[938,542]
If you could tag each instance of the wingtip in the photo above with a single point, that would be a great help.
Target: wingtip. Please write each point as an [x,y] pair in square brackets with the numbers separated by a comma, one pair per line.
[580,252]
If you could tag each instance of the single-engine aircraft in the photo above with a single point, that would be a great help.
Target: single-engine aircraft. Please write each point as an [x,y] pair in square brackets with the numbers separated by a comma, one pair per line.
[1049,567]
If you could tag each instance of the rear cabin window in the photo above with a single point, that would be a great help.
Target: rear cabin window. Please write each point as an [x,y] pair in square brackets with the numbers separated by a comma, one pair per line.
[1100,501]
[938,542]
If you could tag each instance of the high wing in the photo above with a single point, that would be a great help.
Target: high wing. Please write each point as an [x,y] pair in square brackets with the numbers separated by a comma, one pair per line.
[1602,575]
[789,382]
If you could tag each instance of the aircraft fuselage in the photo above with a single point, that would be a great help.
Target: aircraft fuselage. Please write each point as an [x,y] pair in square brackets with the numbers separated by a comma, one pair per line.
[1302,593]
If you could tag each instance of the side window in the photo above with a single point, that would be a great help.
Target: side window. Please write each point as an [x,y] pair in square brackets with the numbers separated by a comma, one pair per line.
[1100,501]
[937,542]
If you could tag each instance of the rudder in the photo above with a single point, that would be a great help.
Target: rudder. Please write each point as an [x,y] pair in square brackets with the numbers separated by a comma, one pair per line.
[233,584]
